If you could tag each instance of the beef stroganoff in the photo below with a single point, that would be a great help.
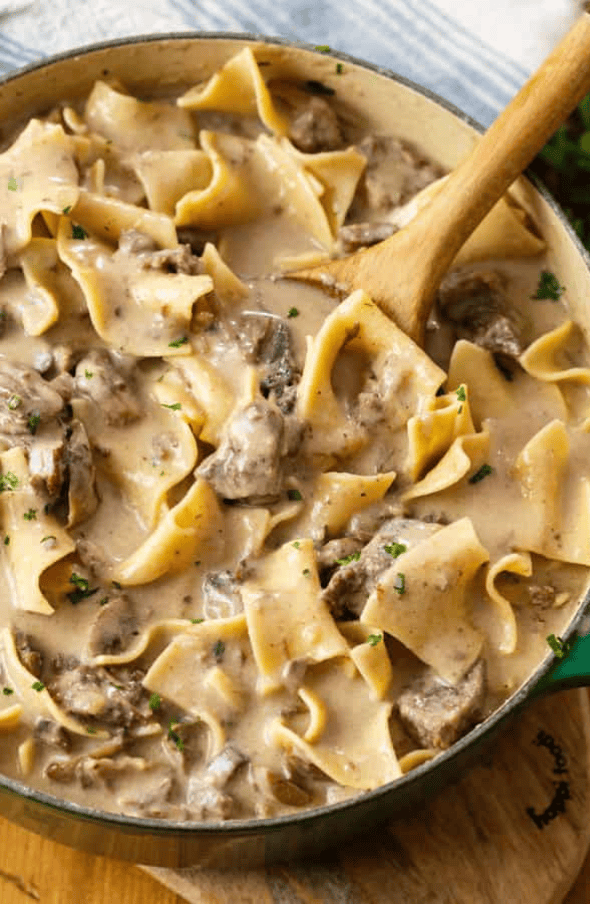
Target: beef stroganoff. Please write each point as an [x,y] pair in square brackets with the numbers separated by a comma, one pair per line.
[260,551]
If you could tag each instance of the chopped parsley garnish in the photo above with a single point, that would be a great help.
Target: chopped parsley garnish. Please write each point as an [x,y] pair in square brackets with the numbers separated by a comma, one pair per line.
[30,515]
[339,69]
[8,481]
[33,422]
[296,544]
[6,540]
[197,563]
[155,702]
[90,729]
[346,560]
[174,736]
[293,312]
[7,691]
[197,621]
[103,601]
[461,394]
[549,286]
[12,184]
[116,585]
[48,537]
[306,572]
[14,402]
[323,48]
[374,639]
[399,585]
[176,343]
[484,471]
[218,649]
[88,374]
[395,549]
[560,647]
[78,232]
[294,495]
[176,406]
[67,209]
[38,686]
[82,590]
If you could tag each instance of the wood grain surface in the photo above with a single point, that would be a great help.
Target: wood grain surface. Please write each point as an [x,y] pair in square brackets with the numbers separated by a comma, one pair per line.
[467,868]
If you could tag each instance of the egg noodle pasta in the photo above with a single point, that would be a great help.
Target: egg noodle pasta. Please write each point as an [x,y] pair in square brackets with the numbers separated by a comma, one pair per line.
[259,550]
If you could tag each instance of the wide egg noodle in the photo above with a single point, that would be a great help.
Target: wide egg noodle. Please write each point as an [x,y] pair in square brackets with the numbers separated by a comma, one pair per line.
[557,524]
[135,125]
[47,182]
[137,312]
[107,217]
[443,438]
[358,323]
[211,391]
[287,619]
[354,746]
[162,632]
[426,609]
[167,176]
[238,88]
[187,673]
[192,529]
[369,654]
[35,541]
[144,480]
[542,358]
[106,170]
[35,703]
[229,289]
[518,563]
[338,173]
[335,497]
[234,194]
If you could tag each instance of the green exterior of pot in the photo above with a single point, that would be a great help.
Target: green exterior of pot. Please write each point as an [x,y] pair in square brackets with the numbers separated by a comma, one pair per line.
[445,134]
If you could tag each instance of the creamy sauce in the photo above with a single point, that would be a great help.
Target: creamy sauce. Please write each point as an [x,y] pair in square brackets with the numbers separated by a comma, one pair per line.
[210,647]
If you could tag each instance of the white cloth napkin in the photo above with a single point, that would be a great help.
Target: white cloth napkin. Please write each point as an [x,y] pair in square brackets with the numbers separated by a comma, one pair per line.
[471,52]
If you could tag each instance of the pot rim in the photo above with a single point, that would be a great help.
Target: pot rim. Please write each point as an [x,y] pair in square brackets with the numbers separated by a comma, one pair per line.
[268,825]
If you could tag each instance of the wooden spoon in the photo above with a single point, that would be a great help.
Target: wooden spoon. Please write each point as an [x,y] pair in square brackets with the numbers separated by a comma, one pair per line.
[403,273]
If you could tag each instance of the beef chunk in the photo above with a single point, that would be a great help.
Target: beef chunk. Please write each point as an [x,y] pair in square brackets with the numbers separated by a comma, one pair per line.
[395,172]
[47,465]
[207,802]
[51,734]
[436,714]
[341,548]
[26,402]
[350,586]
[92,693]
[268,341]
[101,378]
[114,626]
[475,303]
[221,595]
[93,771]
[282,374]
[31,658]
[224,766]
[247,464]
[361,235]
[172,260]
[316,127]
[82,498]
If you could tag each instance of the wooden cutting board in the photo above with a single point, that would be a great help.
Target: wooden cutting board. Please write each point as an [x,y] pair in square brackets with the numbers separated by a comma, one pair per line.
[515,829]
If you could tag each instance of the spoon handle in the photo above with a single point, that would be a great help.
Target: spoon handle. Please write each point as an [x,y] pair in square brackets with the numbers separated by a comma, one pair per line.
[505,149]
